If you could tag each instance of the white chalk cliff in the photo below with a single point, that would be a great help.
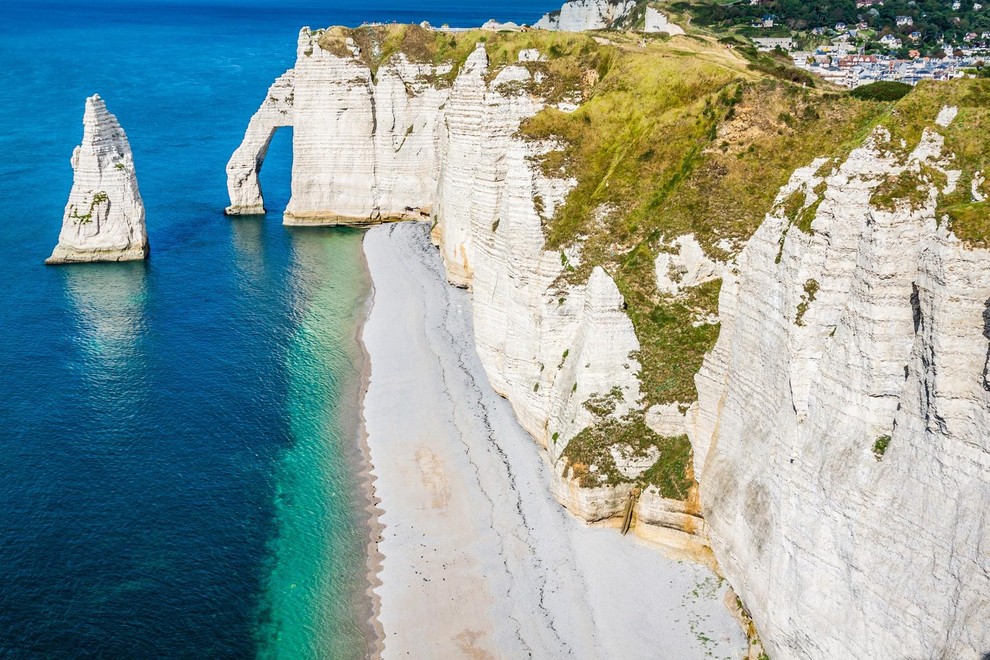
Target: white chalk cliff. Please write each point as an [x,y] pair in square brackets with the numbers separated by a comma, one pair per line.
[401,145]
[842,433]
[841,437]
[581,15]
[104,217]
[657,21]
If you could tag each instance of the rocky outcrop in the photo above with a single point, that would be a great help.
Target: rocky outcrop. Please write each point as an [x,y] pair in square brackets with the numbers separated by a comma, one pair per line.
[684,264]
[656,21]
[405,143]
[364,145]
[581,15]
[842,432]
[104,217]
[245,164]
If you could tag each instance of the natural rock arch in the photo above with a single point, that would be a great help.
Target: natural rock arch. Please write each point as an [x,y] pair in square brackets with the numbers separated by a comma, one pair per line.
[246,161]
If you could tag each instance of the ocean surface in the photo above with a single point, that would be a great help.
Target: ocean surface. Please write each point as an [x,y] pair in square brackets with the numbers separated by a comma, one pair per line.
[178,438]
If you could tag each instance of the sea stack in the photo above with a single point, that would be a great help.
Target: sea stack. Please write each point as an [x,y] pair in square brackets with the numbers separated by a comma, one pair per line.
[104,217]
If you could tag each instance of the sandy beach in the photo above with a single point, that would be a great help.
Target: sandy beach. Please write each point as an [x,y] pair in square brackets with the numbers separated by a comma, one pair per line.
[477,559]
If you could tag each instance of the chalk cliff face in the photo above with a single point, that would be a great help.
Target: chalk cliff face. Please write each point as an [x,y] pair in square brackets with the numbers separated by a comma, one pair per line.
[581,15]
[841,436]
[244,165]
[842,432]
[656,21]
[104,217]
[364,146]
[404,144]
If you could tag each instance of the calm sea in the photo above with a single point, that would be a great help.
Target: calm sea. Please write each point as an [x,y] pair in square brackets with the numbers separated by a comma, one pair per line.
[178,437]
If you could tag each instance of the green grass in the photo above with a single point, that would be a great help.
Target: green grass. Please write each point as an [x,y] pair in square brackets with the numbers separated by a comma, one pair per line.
[880,446]
[905,190]
[884,90]
[671,139]
[568,56]
[965,138]
[971,222]
[670,473]
[810,291]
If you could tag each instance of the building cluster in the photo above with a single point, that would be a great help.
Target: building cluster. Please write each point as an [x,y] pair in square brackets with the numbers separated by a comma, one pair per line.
[842,62]
[850,68]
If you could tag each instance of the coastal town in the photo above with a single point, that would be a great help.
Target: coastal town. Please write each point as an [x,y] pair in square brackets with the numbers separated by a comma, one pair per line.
[848,56]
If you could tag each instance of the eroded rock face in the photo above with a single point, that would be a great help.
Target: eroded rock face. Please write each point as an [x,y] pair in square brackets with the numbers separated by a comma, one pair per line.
[365,148]
[408,144]
[684,265]
[104,217]
[245,164]
[581,15]
[842,432]
[656,21]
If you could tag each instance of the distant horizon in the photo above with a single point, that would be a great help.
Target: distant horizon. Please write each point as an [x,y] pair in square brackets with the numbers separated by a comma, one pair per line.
[519,11]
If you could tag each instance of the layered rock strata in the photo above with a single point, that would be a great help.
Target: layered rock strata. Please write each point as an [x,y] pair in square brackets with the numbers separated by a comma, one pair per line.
[401,144]
[245,164]
[581,15]
[365,147]
[842,432]
[104,217]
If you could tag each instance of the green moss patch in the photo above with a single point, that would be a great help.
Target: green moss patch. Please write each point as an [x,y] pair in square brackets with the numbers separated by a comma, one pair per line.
[810,291]
[669,473]
[880,446]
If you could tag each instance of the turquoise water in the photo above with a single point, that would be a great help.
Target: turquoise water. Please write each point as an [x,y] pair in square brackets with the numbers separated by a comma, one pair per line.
[178,438]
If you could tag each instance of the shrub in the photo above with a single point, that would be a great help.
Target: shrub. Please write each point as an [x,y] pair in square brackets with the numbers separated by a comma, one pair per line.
[880,446]
[884,90]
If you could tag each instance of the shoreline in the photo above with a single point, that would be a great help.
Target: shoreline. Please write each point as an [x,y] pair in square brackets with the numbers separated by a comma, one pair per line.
[468,553]
[375,633]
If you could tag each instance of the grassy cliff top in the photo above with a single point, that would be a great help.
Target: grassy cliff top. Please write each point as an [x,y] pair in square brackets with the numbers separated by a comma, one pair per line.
[676,136]
[684,135]
[379,43]
[967,143]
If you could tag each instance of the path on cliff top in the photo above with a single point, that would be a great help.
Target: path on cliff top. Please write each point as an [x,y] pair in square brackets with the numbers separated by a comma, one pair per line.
[479,560]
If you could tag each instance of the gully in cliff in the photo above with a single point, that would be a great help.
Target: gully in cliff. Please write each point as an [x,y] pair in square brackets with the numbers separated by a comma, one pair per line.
[104,217]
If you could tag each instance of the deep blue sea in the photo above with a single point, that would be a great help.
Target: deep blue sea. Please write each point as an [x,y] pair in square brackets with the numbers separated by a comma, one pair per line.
[178,438]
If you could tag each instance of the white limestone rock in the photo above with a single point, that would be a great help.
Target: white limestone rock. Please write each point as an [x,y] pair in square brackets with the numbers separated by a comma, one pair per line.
[403,146]
[656,21]
[245,163]
[687,267]
[365,149]
[104,217]
[975,186]
[667,420]
[491,25]
[946,115]
[582,15]
[839,551]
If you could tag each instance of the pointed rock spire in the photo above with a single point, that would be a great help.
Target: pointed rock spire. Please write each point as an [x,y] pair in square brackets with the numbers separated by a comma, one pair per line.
[104,217]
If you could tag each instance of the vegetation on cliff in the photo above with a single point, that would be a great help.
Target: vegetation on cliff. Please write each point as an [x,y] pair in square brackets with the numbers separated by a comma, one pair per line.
[682,136]
[688,135]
